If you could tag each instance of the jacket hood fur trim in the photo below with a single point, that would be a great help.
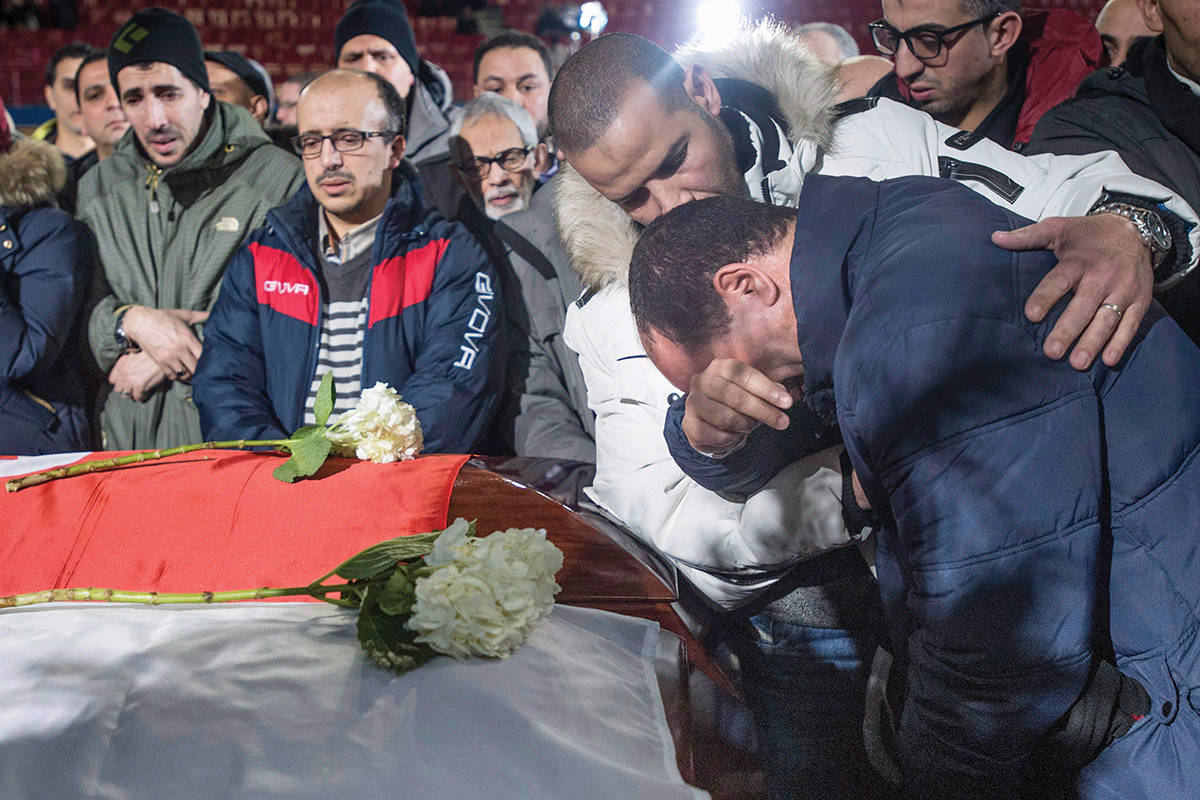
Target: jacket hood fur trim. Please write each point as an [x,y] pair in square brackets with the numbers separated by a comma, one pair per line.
[31,172]
[599,236]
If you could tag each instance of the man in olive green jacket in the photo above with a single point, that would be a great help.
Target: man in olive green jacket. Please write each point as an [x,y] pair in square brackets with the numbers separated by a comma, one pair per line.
[186,185]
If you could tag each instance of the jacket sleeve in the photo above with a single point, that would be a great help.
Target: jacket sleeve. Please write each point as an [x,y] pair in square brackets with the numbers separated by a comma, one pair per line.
[102,304]
[896,140]
[41,297]
[983,458]
[230,386]
[539,418]
[457,383]
[731,549]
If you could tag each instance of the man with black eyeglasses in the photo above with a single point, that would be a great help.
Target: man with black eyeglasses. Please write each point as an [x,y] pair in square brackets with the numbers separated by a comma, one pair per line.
[497,159]
[980,66]
[354,276]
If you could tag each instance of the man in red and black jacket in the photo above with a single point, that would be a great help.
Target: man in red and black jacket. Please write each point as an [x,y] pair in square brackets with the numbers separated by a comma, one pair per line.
[354,276]
[982,67]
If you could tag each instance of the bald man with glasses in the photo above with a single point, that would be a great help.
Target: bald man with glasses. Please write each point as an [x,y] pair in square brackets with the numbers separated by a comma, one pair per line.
[980,65]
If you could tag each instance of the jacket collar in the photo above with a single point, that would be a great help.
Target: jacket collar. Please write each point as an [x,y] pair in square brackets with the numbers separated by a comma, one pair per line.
[834,220]
[1172,100]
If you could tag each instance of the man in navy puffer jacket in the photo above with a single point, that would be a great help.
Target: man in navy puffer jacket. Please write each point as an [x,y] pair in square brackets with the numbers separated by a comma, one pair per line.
[47,383]
[1038,527]
[354,276]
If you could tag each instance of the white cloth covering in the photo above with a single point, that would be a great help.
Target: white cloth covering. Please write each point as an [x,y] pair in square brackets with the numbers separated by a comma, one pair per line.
[276,701]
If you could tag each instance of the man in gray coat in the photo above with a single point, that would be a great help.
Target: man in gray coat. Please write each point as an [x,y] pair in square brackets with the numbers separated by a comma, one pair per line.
[176,199]
[497,158]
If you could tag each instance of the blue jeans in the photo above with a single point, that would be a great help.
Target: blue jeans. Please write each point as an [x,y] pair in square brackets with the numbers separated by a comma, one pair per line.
[806,688]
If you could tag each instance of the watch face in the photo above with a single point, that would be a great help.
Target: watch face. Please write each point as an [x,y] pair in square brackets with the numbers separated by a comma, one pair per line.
[1158,231]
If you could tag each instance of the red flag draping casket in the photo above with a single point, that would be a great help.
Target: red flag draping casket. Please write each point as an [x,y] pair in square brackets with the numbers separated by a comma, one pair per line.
[212,520]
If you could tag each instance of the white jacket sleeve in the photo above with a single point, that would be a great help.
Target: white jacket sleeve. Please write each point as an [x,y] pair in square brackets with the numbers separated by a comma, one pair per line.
[892,140]
[728,549]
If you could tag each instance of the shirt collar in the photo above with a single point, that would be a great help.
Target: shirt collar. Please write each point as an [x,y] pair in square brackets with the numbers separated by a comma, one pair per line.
[1188,82]
[353,243]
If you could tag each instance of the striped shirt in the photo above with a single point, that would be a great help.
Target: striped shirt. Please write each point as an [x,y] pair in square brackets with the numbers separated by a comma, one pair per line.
[346,270]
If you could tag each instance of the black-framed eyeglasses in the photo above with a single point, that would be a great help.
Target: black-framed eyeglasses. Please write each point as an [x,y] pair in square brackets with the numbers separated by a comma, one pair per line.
[927,43]
[309,145]
[511,160]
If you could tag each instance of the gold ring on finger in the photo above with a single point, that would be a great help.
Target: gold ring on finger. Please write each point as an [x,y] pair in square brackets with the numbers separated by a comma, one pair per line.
[1113,307]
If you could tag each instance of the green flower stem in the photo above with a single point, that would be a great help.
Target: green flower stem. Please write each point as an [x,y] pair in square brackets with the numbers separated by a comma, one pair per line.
[16,484]
[164,598]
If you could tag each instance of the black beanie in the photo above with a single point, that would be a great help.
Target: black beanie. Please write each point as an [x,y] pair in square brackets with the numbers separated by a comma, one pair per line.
[155,34]
[386,19]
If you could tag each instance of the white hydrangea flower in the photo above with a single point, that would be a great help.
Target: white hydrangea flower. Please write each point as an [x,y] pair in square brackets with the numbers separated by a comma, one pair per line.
[487,594]
[381,428]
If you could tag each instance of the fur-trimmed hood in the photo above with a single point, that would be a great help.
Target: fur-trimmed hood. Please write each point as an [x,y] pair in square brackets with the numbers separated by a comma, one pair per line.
[31,172]
[599,236]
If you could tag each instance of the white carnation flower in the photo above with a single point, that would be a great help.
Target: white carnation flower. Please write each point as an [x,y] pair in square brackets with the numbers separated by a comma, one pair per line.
[381,428]
[487,594]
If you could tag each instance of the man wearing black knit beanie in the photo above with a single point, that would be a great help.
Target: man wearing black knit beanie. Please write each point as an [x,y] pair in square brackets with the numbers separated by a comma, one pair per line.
[375,36]
[177,197]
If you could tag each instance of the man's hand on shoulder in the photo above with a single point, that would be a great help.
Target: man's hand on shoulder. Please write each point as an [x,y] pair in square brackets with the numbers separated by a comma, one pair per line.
[727,401]
[136,375]
[166,336]
[1102,259]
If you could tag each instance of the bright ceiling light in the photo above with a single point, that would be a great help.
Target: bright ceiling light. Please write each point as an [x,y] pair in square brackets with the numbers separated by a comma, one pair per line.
[717,20]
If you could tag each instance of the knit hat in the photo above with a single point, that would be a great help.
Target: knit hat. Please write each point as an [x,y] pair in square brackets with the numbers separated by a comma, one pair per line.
[249,71]
[155,34]
[386,19]
[5,133]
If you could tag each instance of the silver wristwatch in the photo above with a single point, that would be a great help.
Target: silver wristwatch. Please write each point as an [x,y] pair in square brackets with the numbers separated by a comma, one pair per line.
[1155,235]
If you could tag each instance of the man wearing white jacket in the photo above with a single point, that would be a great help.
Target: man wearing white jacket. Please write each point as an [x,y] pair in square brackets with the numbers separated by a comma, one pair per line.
[756,116]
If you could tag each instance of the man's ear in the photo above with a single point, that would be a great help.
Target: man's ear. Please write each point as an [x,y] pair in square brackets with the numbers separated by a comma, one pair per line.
[746,286]
[397,148]
[699,86]
[1003,32]
[541,158]
[48,93]
[205,99]
[259,106]
[1151,14]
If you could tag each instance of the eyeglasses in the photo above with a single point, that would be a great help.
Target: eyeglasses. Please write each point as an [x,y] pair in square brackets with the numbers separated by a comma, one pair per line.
[309,145]
[511,160]
[926,43]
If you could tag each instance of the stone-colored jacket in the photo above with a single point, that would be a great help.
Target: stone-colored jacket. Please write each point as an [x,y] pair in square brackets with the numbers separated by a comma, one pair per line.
[164,237]
[546,411]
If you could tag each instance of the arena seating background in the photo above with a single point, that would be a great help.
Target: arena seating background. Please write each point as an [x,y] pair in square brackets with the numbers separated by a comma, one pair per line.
[290,36]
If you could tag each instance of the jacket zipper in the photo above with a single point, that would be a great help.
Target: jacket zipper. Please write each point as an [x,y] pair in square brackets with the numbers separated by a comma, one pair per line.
[993,179]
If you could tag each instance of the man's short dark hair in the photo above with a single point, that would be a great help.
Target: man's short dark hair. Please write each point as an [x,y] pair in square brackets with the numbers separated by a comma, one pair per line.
[68,50]
[671,274]
[393,104]
[984,8]
[588,91]
[512,39]
[96,55]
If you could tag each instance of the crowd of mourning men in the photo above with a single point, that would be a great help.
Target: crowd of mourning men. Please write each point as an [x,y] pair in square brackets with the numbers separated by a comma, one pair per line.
[895,360]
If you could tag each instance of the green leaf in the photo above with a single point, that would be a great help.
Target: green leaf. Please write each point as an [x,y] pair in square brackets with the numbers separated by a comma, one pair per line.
[378,559]
[399,594]
[386,640]
[323,403]
[308,454]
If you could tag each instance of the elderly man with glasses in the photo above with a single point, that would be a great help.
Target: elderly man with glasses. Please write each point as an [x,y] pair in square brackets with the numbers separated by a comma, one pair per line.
[981,66]
[356,277]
